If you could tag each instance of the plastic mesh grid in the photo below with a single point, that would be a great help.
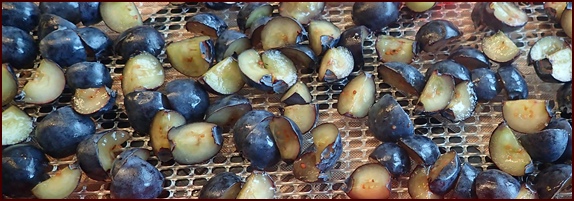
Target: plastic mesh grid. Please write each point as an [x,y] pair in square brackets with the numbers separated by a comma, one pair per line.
[468,138]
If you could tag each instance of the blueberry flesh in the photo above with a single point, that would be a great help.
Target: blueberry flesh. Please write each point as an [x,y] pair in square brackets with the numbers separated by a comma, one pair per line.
[18,48]
[486,84]
[24,15]
[188,98]
[23,167]
[49,23]
[139,39]
[64,47]
[388,121]
[60,132]
[67,10]
[90,13]
[393,157]
[86,75]
[141,107]
[375,15]
[496,184]
[96,40]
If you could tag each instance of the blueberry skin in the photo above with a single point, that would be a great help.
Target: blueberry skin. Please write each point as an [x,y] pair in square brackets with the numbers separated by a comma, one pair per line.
[18,48]
[60,132]
[188,98]
[90,13]
[87,155]
[49,23]
[514,83]
[244,125]
[67,10]
[259,147]
[496,184]
[24,15]
[388,121]
[563,124]
[141,107]
[84,75]
[463,188]
[219,184]
[545,146]
[393,157]
[375,15]
[139,39]
[64,47]
[550,180]
[219,5]
[449,67]
[486,84]
[23,167]
[97,41]
[136,179]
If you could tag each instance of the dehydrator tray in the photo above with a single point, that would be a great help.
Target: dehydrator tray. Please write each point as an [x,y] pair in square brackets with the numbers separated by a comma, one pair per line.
[469,138]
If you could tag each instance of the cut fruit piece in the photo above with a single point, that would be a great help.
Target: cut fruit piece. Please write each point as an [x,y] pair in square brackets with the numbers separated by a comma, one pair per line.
[258,185]
[270,72]
[287,136]
[507,153]
[337,64]
[223,78]
[552,59]
[231,43]
[500,49]
[93,100]
[369,181]
[297,94]
[227,110]
[418,185]
[444,172]
[47,84]
[421,149]
[462,104]
[206,24]
[162,122]
[357,96]
[402,76]
[252,12]
[305,116]
[437,94]
[393,49]
[528,115]
[353,39]
[59,186]
[142,72]
[301,55]
[120,16]
[282,31]
[16,125]
[195,142]
[191,57]
[9,84]
[323,35]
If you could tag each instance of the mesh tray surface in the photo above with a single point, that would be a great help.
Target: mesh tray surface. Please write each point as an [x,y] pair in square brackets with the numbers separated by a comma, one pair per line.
[468,138]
